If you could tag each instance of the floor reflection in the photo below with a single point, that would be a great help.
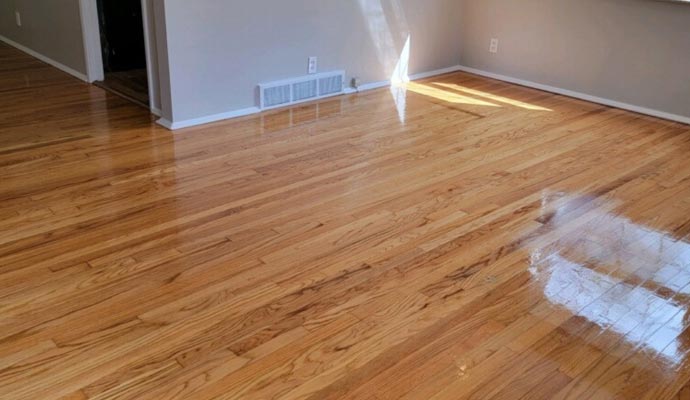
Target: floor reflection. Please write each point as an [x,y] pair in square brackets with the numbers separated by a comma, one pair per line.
[302,115]
[399,93]
[578,287]
[623,277]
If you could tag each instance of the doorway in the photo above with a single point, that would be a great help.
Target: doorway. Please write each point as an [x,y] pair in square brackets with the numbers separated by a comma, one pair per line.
[123,49]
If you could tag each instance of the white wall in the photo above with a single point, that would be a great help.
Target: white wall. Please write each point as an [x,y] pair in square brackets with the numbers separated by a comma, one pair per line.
[49,27]
[631,51]
[211,54]
[219,50]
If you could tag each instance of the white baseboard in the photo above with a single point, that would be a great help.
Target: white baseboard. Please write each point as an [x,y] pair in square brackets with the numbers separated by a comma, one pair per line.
[367,86]
[254,110]
[581,96]
[422,75]
[208,119]
[166,123]
[372,86]
[156,111]
[45,59]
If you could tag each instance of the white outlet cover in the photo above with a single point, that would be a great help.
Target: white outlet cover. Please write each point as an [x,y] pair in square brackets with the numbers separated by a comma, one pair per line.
[493,47]
[313,65]
[18,17]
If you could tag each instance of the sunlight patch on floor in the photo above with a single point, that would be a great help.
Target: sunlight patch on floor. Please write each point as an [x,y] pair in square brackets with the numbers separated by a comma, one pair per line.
[490,96]
[445,95]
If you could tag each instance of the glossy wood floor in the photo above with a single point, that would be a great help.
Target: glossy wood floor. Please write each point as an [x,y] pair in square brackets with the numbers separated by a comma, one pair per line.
[456,238]
[132,85]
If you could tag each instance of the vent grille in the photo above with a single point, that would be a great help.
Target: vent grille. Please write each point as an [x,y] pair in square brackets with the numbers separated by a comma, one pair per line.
[276,96]
[330,85]
[297,90]
[304,90]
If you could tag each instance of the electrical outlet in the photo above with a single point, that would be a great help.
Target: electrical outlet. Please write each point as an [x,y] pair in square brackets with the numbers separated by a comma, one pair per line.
[493,47]
[18,18]
[313,65]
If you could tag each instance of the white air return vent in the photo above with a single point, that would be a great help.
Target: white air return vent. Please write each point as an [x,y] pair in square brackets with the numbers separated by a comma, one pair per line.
[330,85]
[276,96]
[304,90]
[298,90]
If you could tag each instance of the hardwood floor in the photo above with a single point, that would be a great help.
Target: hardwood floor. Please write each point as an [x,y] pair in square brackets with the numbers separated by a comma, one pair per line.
[457,238]
[133,85]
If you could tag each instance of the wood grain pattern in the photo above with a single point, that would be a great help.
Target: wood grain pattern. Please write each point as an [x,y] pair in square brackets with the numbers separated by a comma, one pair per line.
[454,238]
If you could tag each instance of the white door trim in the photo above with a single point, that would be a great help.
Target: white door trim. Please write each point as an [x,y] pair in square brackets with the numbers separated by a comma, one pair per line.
[146,12]
[92,40]
[92,45]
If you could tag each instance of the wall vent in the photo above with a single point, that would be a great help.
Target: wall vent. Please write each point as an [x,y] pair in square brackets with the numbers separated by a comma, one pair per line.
[276,96]
[298,90]
[330,85]
[304,90]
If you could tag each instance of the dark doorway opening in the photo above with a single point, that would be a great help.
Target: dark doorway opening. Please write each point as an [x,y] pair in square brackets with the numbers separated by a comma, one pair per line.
[123,48]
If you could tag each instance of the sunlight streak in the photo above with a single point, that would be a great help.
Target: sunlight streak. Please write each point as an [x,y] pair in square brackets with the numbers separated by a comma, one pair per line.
[399,93]
[493,97]
[445,95]
[395,61]
[381,34]
[401,73]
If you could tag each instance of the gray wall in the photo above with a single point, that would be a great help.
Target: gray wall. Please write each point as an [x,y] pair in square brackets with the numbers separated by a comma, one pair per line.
[632,51]
[219,50]
[49,27]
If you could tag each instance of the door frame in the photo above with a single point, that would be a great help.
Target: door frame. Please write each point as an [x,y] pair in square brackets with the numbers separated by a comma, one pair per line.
[93,55]
[90,26]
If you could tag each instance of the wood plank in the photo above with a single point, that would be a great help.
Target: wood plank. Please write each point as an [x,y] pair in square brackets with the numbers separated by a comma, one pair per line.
[498,243]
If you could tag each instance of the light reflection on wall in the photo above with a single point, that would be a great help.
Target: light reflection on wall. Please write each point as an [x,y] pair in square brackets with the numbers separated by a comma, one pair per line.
[388,43]
[401,73]
[395,60]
